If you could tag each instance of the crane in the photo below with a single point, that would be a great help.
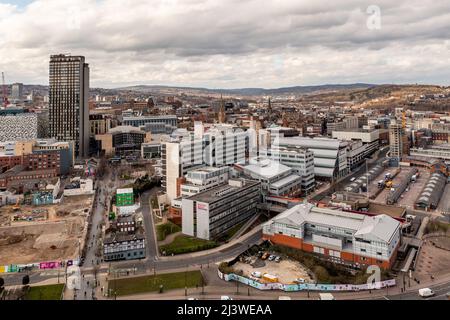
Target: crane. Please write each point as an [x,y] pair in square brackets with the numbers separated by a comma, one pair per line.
[5,97]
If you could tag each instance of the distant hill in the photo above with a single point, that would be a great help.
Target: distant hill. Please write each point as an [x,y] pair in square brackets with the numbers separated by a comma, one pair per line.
[297,90]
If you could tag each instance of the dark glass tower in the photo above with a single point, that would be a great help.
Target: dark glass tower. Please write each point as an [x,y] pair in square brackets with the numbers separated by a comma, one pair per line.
[68,101]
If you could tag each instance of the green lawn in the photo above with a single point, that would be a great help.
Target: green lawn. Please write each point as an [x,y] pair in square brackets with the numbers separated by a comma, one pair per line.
[137,285]
[163,230]
[50,292]
[185,244]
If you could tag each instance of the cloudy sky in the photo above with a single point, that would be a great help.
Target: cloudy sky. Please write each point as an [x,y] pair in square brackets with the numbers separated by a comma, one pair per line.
[230,43]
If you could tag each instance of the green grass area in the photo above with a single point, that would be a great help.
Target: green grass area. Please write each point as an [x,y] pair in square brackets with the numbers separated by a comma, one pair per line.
[50,292]
[169,281]
[436,226]
[163,230]
[185,244]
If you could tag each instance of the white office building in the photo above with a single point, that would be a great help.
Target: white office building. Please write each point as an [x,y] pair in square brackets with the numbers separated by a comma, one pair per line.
[300,160]
[210,214]
[220,146]
[276,178]
[204,179]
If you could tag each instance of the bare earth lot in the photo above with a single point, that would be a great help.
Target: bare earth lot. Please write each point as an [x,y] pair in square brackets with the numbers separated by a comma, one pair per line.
[52,239]
[286,270]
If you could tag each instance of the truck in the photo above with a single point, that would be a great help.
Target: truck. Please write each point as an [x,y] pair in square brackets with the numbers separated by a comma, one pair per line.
[270,278]
[426,292]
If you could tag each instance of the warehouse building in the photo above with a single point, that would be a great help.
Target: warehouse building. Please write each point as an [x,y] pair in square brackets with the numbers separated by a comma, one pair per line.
[341,237]
[432,192]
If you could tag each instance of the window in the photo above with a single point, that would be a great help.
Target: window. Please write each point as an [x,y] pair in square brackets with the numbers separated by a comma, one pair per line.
[363,250]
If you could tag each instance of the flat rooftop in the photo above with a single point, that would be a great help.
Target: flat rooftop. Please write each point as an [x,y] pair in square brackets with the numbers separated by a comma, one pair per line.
[266,168]
[219,192]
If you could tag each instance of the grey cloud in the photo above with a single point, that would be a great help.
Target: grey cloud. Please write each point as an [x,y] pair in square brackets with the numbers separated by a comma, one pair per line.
[230,43]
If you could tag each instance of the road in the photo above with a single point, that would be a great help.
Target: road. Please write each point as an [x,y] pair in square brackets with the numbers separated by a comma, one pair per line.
[150,234]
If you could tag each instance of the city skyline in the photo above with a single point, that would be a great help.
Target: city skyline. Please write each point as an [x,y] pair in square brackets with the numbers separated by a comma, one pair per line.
[229,45]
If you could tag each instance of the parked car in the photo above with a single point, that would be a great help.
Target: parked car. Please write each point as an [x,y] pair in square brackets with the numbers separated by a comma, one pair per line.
[299,280]
[256,274]
[272,257]
[352,179]
[265,256]
[225,298]
[278,259]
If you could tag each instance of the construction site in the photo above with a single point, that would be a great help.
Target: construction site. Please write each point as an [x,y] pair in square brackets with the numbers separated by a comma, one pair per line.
[44,233]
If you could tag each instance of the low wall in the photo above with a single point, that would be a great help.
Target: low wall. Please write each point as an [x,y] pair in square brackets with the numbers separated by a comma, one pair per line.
[13,268]
[305,286]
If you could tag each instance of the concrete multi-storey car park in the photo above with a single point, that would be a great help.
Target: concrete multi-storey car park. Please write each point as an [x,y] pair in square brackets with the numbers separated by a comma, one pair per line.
[342,237]
[210,214]
[330,155]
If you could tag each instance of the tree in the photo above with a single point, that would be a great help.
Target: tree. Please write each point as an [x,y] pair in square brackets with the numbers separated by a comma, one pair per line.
[2,283]
[25,280]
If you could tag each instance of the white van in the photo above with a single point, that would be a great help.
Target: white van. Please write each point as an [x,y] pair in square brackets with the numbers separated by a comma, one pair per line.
[426,292]
[326,296]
